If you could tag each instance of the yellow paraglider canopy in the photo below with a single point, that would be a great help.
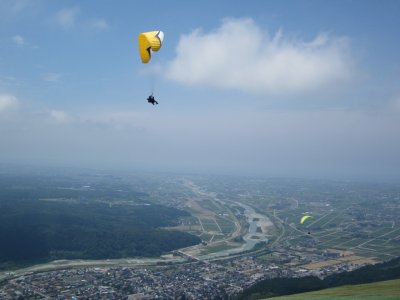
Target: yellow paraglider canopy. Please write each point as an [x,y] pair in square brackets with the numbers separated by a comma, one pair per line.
[149,42]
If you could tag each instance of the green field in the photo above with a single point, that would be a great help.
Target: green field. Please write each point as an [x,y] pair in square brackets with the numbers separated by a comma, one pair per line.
[211,206]
[210,225]
[206,237]
[226,225]
[384,290]
[216,248]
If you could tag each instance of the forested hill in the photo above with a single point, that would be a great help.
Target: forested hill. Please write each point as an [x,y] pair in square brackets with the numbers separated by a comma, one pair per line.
[37,230]
[52,213]
[286,286]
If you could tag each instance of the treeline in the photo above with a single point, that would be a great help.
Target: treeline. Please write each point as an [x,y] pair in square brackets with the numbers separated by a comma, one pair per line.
[19,187]
[286,286]
[33,231]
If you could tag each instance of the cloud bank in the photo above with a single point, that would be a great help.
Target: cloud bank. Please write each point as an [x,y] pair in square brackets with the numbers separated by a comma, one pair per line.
[331,143]
[239,55]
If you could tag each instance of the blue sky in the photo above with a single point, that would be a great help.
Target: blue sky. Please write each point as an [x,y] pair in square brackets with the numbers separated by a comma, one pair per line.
[274,88]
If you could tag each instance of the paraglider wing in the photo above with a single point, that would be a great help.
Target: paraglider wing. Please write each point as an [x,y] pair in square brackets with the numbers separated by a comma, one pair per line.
[305,218]
[149,42]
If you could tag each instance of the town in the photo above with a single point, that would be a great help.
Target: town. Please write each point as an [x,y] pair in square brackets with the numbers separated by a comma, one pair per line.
[192,280]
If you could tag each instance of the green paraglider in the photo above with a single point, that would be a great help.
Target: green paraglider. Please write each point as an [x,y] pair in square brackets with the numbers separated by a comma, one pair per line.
[305,218]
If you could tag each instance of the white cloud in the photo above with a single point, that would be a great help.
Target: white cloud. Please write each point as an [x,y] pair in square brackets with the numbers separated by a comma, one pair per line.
[8,102]
[19,40]
[67,17]
[240,55]
[99,24]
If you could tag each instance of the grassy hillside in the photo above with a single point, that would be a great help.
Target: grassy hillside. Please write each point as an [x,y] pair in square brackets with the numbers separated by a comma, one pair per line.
[384,290]
[389,270]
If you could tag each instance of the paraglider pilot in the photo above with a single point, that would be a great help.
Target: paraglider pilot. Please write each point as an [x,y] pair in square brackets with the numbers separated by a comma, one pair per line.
[151,99]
